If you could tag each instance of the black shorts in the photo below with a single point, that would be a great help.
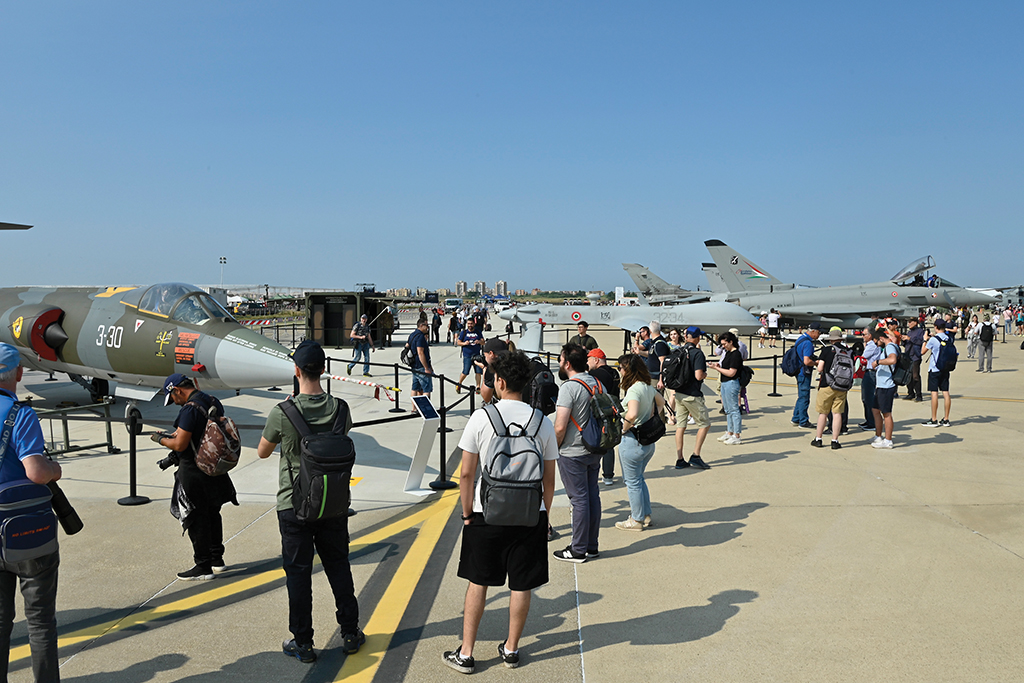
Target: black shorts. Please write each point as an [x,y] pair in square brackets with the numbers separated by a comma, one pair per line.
[938,381]
[773,331]
[490,553]
[884,398]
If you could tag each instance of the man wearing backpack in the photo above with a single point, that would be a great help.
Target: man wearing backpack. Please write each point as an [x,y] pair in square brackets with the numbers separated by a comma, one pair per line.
[490,552]
[329,537]
[986,338]
[422,382]
[597,365]
[835,379]
[363,341]
[805,353]
[24,458]
[197,497]
[578,467]
[690,401]
[938,376]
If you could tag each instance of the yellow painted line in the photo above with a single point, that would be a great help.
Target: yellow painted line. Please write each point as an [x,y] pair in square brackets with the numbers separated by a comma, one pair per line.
[235,587]
[383,624]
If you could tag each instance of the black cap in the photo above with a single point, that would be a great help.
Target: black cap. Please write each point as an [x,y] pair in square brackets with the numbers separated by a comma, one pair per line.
[495,345]
[309,355]
[814,326]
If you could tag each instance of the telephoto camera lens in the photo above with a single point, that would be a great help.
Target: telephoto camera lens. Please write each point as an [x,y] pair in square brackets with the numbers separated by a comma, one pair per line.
[66,515]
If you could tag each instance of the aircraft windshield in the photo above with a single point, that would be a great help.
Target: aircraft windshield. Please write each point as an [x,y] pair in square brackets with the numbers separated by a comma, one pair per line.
[915,267]
[160,299]
[214,308]
[198,308]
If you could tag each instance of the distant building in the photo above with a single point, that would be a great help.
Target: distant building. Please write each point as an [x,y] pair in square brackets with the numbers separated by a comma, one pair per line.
[480,286]
[460,288]
[535,291]
[501,288]
[520,292]
[444,292]
[421,292]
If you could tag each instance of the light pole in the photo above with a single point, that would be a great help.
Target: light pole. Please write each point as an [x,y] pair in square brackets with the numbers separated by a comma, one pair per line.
[223,260]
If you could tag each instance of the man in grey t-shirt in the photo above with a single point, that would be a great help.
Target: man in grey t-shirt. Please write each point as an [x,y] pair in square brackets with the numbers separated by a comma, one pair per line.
[578,467]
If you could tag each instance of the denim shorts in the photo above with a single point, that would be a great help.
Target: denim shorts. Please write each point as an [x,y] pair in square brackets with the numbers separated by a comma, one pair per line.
[422,382]
[467,365]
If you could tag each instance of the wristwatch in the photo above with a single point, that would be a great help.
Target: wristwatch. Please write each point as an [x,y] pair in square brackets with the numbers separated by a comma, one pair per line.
[465,518]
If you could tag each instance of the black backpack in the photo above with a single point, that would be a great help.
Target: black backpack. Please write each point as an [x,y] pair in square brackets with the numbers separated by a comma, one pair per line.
[321,490]
[902,369]
[987,334]
[677,370]
[541,392]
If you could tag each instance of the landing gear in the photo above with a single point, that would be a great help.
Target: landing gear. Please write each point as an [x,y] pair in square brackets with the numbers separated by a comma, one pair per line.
[131,410]
[98,388]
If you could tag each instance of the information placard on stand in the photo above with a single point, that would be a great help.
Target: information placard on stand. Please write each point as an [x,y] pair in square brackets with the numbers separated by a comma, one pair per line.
[428,431]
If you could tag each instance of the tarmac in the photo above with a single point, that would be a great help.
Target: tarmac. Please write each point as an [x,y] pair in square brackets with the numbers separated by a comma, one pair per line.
[782,562]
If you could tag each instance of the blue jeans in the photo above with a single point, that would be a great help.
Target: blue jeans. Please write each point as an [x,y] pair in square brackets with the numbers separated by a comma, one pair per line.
[579,478]
[731,403]
[803,397]
[329,538]
[634,458]
[867,397]
[422,382]
[363,350]
[39,589]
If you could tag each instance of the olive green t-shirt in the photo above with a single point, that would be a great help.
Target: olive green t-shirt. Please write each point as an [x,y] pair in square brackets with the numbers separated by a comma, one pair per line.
[319,411]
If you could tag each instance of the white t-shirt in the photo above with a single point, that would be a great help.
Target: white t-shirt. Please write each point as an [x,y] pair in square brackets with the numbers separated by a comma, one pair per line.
[773,319]
[479,432]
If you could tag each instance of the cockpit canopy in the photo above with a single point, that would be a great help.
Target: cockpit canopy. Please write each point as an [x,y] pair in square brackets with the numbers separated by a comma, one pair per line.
[178,301]
[915,267]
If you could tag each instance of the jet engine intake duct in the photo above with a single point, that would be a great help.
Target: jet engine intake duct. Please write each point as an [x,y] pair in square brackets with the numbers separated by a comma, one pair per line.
[38,328]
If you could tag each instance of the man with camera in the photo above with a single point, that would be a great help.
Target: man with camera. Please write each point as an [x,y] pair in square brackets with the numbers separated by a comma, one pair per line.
[197,497]
[22,457]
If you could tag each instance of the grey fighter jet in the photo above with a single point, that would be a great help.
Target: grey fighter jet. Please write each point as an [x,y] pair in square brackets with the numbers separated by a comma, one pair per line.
[850,306]
[137,336]
[709,316]
[656,291]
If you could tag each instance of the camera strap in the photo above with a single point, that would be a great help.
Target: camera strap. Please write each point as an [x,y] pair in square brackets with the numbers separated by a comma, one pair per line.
[5,438]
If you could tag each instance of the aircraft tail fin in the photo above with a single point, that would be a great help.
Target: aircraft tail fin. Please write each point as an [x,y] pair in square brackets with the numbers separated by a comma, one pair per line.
[532,339]
[738,272]
[647,282]
[714,277]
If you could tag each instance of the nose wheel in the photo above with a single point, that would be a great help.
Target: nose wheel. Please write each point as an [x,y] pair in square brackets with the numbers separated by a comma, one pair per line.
[132,411]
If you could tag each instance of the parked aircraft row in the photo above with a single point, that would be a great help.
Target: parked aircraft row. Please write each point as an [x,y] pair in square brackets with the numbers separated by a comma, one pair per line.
[733,278]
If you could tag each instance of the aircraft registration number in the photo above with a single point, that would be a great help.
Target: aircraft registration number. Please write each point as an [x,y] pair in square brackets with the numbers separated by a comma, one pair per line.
[110,336]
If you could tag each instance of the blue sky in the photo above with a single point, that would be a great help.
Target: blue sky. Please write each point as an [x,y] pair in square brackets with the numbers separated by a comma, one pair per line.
[415,144]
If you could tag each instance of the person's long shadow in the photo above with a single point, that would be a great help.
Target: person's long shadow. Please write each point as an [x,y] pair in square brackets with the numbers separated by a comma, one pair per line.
[680,625]
[748,458]
[718,526]
[135,673]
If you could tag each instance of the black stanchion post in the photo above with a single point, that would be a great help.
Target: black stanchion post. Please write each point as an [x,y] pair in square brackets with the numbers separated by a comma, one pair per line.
[328,375]
[444,428]
[775,376]
[442,482]
[133,498]
[398,396]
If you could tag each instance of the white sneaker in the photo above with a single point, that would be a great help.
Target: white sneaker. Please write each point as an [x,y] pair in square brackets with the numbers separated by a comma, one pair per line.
[725,437]
[876,440]
[733,441]
[691,421]
[882,443]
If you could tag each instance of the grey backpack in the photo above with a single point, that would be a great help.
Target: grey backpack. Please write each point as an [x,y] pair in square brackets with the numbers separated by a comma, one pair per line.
[512,471]
[840,375]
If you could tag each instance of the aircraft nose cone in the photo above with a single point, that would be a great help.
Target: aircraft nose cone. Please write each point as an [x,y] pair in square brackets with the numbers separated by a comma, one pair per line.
[246,359]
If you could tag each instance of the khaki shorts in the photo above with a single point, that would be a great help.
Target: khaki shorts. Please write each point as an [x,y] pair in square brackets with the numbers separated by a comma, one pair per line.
[692,406]
[831,401]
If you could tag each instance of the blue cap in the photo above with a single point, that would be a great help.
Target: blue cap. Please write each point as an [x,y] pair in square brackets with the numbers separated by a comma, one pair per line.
[814,326]
[9,357]
[693,331]
[172,381]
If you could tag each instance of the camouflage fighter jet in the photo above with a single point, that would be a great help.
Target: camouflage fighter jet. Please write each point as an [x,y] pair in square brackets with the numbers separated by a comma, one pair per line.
[135,337]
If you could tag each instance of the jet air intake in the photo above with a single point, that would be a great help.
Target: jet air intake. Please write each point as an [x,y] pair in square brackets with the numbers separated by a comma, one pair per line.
[38,328]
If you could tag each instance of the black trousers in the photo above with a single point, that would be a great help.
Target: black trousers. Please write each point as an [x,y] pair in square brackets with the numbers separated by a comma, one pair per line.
[206,531]
[329,538]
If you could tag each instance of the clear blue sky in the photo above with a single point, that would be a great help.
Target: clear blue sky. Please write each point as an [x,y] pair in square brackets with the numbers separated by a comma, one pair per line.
[328,143]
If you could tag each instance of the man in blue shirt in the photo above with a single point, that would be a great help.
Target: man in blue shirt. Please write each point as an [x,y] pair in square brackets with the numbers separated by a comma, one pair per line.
[885,337]
[422,370]
[471,340]
[938,379]
[805,351]
[22,457]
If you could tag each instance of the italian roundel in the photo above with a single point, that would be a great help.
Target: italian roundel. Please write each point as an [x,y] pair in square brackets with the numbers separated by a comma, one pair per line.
[576,316]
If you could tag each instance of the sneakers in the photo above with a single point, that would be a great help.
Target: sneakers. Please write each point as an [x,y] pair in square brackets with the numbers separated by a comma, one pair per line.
[724,437]
[303,653]
[930,423]
[350,642]
[944,423]
[197,573]
[552,534]
[866,428]
[608,481]
[836,445]
[695,461]
[882,443]
[630,525]
[510,659]
[349,369]
[456,661]
[591,554]
[681,464]
[876,440]
[568,555]
[733,441]
[690,420]
[808,425]
[648,521]
[816,443]
[218,566]
[366,374]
